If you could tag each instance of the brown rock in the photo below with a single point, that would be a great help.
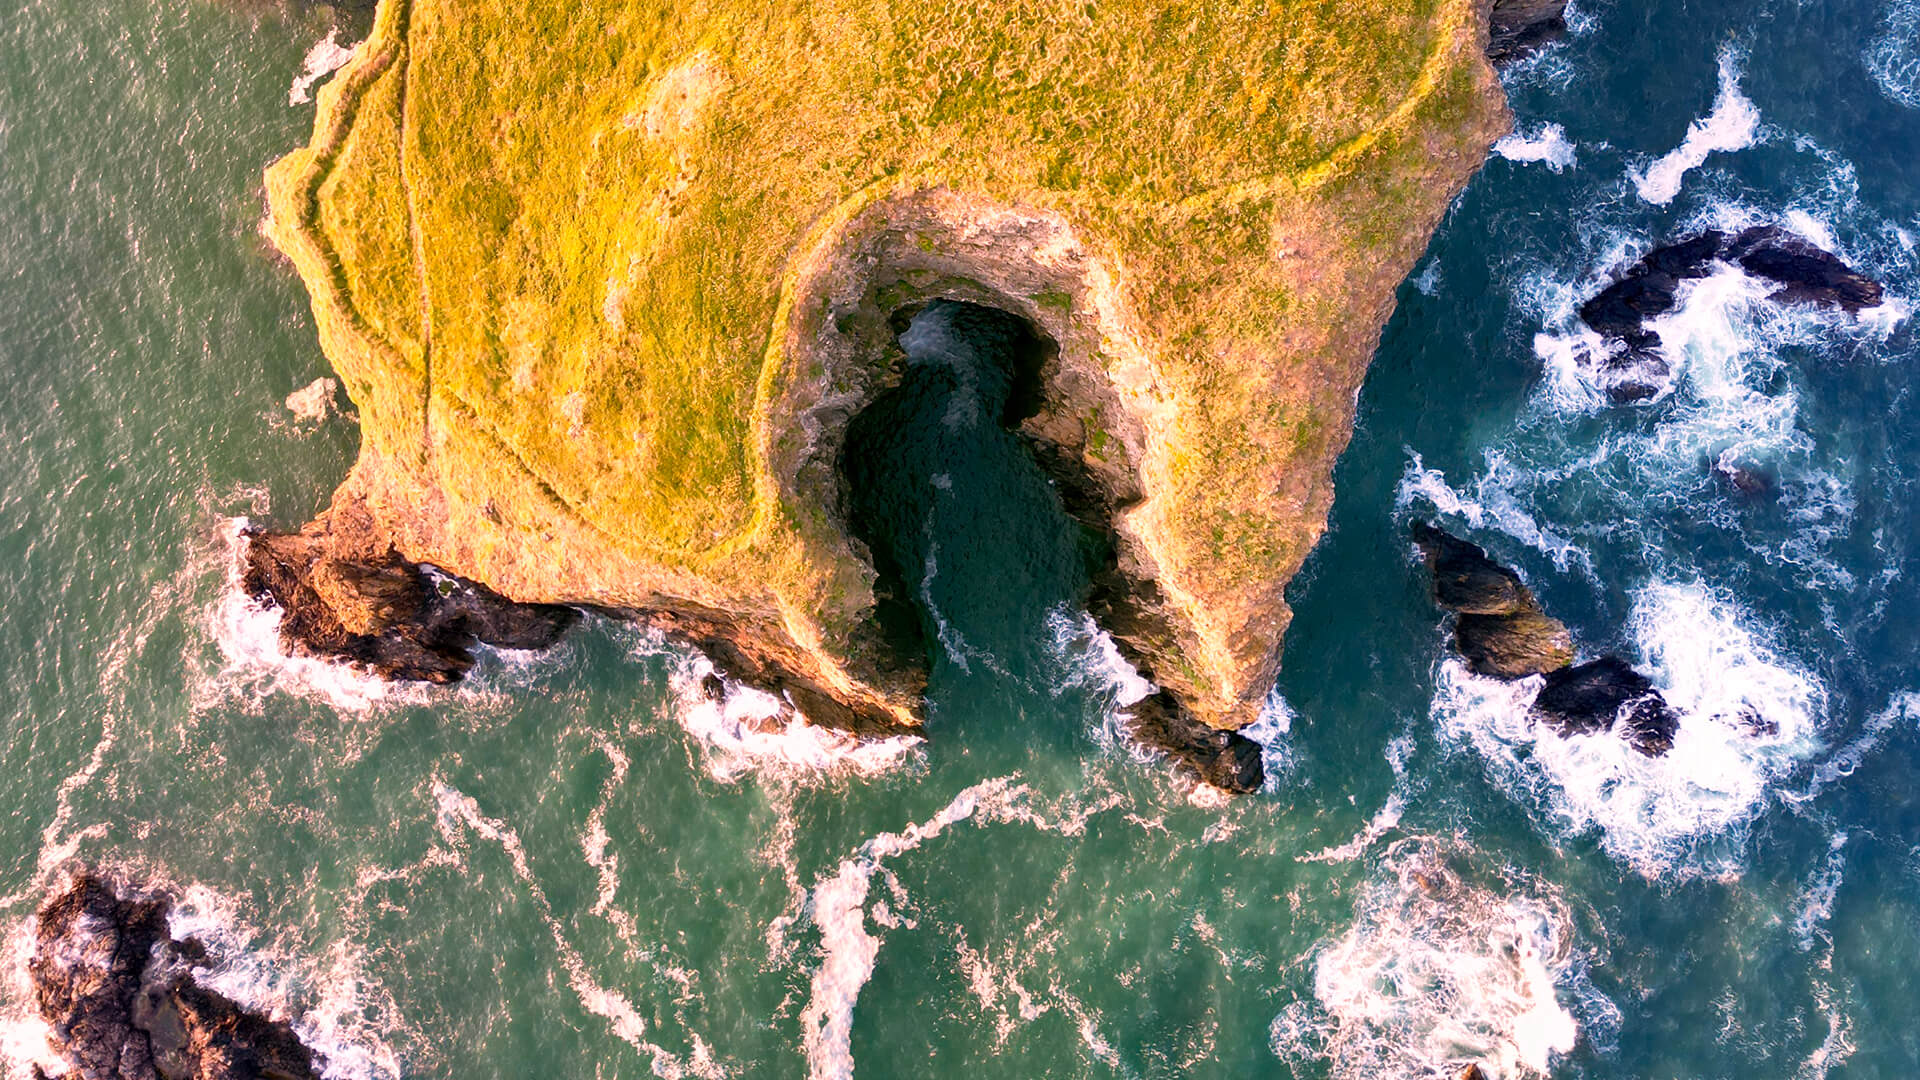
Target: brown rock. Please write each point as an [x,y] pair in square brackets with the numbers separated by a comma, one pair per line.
[120,998]
[1500,629]
[1513,646]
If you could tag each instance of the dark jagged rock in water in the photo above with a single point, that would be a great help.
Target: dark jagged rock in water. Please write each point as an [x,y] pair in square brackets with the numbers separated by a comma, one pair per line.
[1513,646]
[1226,759]
[1471,1072]
[1631,371]
[119,995]
[1520,28]
[1806,273]
[384,614]
[1464,579]
[1500,629]
[1746,481]
[1594,696]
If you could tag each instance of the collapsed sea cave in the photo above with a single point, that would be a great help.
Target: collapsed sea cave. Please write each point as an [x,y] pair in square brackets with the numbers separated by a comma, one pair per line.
[978,525]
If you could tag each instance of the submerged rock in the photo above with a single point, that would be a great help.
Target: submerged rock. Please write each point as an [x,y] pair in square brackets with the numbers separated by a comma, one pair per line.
[1632,371]
[1520,28]
[120,998]
[1226,759]
[1594,696]
[1500,629]
[384,614]
[1746,481]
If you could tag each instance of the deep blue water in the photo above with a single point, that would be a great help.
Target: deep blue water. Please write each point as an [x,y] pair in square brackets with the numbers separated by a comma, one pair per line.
[576,867]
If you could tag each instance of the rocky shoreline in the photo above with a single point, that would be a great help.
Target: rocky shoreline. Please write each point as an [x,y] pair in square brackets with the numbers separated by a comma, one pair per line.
[120,997]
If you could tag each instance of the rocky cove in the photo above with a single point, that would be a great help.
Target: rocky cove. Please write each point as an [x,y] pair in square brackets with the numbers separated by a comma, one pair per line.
[1203,467]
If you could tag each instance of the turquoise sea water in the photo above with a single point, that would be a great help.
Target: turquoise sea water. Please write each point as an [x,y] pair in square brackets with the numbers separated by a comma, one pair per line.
[573,867]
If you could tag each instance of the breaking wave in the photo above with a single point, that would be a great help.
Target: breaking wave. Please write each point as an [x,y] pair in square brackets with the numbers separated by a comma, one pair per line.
[1545,144]
[1748,718]
[1734,124]
[1438,973]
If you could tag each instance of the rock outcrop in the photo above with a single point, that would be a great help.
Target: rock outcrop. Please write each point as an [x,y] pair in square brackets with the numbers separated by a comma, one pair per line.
[119,996]
[1227,760]
[383,614]
[1632,370]
[1520,28]
[605,345]
[1600,694]
[1499,628]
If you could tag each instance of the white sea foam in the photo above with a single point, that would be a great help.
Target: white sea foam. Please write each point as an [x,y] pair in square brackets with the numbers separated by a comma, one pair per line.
[1494,503]
[1903,708]
[837,906]
[1734,124]
[326,57]
[1814,906]
[458,814]
[26,1040]
[748,730]
[1438,972]
[1747,718]
[1089,659]
[1544,143]
[337,1010]
[1893,57]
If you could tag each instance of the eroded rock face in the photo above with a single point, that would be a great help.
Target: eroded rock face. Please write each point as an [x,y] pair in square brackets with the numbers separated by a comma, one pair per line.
[1499,629]
[1227,760]
[384,614]
[120,997]
[1521,28]
[1632,370]
[1600,694]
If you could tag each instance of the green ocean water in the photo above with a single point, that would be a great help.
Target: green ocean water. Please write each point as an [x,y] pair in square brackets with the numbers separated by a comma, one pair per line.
[573,866]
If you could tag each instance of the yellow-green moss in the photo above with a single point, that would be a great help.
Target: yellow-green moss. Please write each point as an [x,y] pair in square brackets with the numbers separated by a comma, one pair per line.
[571,226]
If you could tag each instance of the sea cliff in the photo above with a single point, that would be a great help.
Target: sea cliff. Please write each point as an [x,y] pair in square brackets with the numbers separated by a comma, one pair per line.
[608,282]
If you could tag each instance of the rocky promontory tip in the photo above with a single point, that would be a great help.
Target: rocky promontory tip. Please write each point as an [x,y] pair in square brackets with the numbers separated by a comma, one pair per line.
[384,614]
[1227,760]
[120,998]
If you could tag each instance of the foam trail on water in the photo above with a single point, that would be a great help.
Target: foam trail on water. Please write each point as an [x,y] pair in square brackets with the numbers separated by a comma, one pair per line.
[1437,973]
[458,814]
[1748,717]
[1733,124]
[326,57]
[1815,904]
[837,906]
[1893,58]
[1492,504]
[1384,820]
[335,1008]
[1904,707]
[1545,144]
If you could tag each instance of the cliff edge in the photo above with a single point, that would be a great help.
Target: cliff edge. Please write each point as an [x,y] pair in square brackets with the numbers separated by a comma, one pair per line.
[607,281]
